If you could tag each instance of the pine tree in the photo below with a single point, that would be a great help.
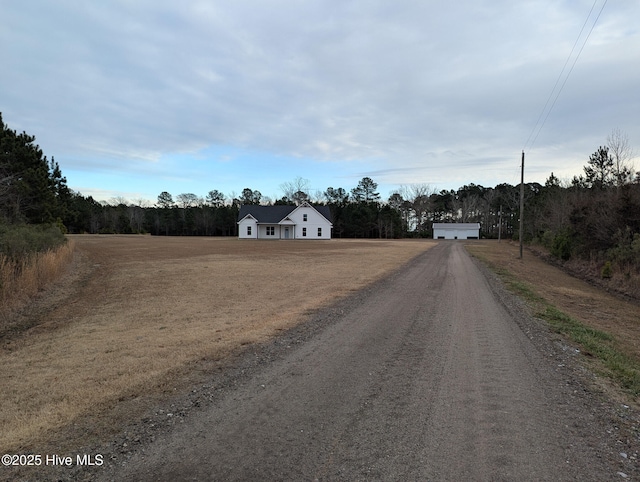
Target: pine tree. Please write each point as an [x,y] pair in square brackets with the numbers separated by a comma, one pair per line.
[32,190]
[365,191]
[600,170]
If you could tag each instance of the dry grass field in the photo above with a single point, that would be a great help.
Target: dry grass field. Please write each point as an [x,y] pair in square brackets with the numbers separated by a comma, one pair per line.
[136,314]
[590,305]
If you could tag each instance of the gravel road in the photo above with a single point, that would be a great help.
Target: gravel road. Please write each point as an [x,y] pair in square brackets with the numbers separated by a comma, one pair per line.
[432,374]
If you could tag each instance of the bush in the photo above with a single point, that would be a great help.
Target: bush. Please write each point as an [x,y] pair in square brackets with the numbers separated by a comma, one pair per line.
[20,241]
[547,239]
[561,245]
[607,271]
[626,250]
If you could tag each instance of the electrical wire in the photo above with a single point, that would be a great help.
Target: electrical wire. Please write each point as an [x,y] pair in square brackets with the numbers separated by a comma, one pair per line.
[567,76]
[561,72]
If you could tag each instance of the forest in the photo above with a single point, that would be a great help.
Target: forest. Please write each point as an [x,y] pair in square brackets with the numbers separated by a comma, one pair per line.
[594,216]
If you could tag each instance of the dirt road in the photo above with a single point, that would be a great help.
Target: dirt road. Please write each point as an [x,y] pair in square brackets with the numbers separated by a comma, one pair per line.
[430,376]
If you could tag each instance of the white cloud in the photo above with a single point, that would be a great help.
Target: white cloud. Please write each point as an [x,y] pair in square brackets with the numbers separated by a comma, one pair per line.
[416,89]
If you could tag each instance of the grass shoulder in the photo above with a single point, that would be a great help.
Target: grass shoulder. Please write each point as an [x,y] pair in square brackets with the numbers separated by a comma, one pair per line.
[608,355]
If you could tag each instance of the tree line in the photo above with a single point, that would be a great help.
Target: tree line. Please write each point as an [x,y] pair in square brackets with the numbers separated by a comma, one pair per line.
[359,212]
[594,215]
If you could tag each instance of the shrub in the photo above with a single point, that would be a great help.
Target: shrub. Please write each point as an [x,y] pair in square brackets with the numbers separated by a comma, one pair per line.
[547,239]
[627,247]
[607,271]
[18,242]
[562,245]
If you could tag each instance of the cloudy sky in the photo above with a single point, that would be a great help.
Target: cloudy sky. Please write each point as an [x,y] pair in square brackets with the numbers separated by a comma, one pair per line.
[133,98]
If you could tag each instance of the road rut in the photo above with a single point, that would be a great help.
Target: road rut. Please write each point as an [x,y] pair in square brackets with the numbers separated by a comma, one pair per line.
[430,377]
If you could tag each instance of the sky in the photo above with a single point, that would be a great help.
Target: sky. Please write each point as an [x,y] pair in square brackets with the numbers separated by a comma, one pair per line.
[133,98]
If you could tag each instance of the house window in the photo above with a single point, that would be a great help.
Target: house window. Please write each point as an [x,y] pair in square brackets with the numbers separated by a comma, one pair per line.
[248,230]
[319,232]
[304,217]
[271,231]
[304,231]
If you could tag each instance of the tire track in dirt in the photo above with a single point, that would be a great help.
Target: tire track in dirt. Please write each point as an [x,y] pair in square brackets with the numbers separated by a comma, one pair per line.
[429,378]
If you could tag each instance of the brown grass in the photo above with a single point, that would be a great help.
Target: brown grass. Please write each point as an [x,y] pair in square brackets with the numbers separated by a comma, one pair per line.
[152,307]
[579,299]
[624,277]
[21,280]
[591,306]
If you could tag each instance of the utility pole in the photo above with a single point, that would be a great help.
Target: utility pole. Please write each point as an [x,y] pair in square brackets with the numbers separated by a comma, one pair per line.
[500,223]
[521,204]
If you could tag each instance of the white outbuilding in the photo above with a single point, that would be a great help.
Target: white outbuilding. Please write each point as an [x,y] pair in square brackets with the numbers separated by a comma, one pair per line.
[456,230]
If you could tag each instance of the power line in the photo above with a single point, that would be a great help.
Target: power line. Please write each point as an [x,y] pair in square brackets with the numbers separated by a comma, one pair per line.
[561,72]
[567,76]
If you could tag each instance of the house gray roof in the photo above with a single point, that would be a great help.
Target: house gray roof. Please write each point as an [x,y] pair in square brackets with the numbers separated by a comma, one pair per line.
[275,214]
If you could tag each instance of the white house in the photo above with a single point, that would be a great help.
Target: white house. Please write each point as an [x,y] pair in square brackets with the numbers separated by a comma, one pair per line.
[456,230]
[284,222]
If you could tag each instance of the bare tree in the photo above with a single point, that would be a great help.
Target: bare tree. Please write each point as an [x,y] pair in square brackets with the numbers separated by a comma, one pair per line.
[117,201]
[622,154]
[489,215]
[466,208]
[136,217]
[317,196]
[560,202]
[296,191]
[418,190]
[418,197]
[188,200]
[141,202]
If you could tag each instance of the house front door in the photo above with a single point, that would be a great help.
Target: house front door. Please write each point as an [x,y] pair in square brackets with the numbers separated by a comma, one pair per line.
[286,233]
